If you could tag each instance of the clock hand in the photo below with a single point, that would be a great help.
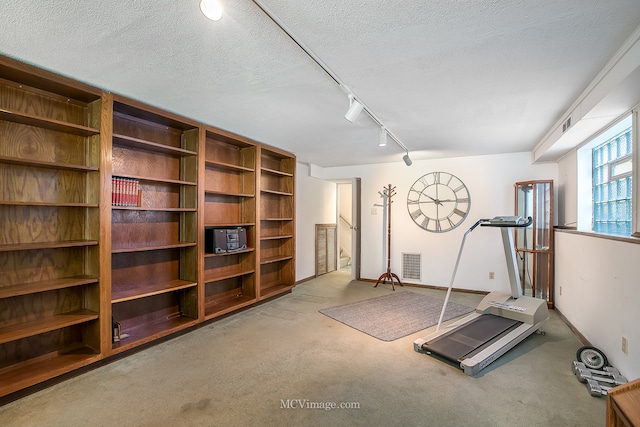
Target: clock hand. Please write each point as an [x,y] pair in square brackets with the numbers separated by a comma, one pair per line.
[436,201]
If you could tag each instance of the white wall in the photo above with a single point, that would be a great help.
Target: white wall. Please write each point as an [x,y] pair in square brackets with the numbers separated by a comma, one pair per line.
[600,291]
[567,196]
[315,204]
[490,181]
[600,294]
[598,276]
[344,194]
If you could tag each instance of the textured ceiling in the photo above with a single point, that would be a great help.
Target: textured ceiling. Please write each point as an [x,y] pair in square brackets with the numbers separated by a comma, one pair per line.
[448,78]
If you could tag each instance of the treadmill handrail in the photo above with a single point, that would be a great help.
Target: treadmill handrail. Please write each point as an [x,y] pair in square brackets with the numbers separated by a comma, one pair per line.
[480,221]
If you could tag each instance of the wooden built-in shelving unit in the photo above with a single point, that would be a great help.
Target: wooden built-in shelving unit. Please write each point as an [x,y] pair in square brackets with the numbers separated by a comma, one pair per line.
[154,281]
[277,227]
[83,276]
[229,201]
[49,226]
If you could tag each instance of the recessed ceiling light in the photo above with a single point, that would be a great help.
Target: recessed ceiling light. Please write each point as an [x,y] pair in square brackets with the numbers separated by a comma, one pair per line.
[211,9]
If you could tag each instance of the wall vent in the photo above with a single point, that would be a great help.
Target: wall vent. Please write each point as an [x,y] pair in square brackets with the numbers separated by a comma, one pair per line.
[411,266]
[566,125]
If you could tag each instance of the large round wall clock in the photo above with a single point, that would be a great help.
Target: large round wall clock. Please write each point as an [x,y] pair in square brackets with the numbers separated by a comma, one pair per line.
[438,202]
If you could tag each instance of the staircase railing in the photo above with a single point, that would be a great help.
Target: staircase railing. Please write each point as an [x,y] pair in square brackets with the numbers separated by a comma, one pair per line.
[345,240]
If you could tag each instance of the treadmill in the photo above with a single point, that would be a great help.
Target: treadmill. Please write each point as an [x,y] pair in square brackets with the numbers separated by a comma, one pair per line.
[500,321]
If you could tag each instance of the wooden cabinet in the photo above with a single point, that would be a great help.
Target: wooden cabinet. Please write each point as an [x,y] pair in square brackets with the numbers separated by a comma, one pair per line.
[326,248]
[229,204]
[277,226]
[534,245]
[49,225]
[623,405]
[154,282]
[104,202]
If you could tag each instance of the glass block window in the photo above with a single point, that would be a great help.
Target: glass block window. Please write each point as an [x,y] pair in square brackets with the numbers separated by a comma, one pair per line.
[612,185]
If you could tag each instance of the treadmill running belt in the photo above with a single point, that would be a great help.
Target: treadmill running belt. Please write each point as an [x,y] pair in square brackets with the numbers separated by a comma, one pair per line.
[462,341]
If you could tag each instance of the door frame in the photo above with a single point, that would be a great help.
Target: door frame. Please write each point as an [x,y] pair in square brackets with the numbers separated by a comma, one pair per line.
[356,232]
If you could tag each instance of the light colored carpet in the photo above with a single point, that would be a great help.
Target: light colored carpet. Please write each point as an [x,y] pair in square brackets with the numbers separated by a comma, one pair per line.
[254,367]
[394,316]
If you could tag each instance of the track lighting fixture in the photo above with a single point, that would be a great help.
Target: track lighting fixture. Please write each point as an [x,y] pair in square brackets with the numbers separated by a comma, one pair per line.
[355,106]
[354,109]
[406,159]
[211,9]
[382,137]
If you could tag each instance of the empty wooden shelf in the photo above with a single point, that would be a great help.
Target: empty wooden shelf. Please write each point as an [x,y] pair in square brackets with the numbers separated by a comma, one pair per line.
[49,225]
[277,225]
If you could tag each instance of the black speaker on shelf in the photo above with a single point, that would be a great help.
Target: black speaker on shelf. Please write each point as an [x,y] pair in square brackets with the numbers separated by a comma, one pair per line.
[215,240]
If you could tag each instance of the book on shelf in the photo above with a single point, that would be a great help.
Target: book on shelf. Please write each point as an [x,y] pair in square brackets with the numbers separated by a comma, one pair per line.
[125,191]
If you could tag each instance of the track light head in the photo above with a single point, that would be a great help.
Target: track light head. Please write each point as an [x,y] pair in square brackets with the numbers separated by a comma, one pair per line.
[382,137]
[406,159]
[354,109]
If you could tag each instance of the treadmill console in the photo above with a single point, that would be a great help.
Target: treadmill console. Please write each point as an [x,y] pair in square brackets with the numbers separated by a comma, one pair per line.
[507,221]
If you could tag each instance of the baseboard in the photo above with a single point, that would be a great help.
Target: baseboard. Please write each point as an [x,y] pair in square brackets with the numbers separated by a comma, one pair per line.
[581,337]
[305,279]
[440,288]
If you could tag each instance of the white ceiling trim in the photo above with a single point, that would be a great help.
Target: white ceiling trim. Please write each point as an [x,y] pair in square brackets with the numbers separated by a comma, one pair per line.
[619,80]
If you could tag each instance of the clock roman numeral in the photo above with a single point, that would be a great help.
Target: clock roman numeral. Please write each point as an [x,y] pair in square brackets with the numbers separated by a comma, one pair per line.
[425,223]
[463,200]
[458,212]
[413,202]
[436,177]
[416,214]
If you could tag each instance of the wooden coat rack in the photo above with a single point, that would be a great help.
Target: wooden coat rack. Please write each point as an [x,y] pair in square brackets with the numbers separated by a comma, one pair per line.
[389,192]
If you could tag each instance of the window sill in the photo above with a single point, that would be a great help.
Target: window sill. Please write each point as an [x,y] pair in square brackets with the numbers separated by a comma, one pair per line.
[572,230]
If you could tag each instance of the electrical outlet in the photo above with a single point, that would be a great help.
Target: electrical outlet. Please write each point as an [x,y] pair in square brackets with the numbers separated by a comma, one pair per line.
[625,348]
[492,275]
[374,211]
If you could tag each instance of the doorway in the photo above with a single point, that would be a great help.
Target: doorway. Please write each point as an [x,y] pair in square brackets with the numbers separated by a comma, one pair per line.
[349,214]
